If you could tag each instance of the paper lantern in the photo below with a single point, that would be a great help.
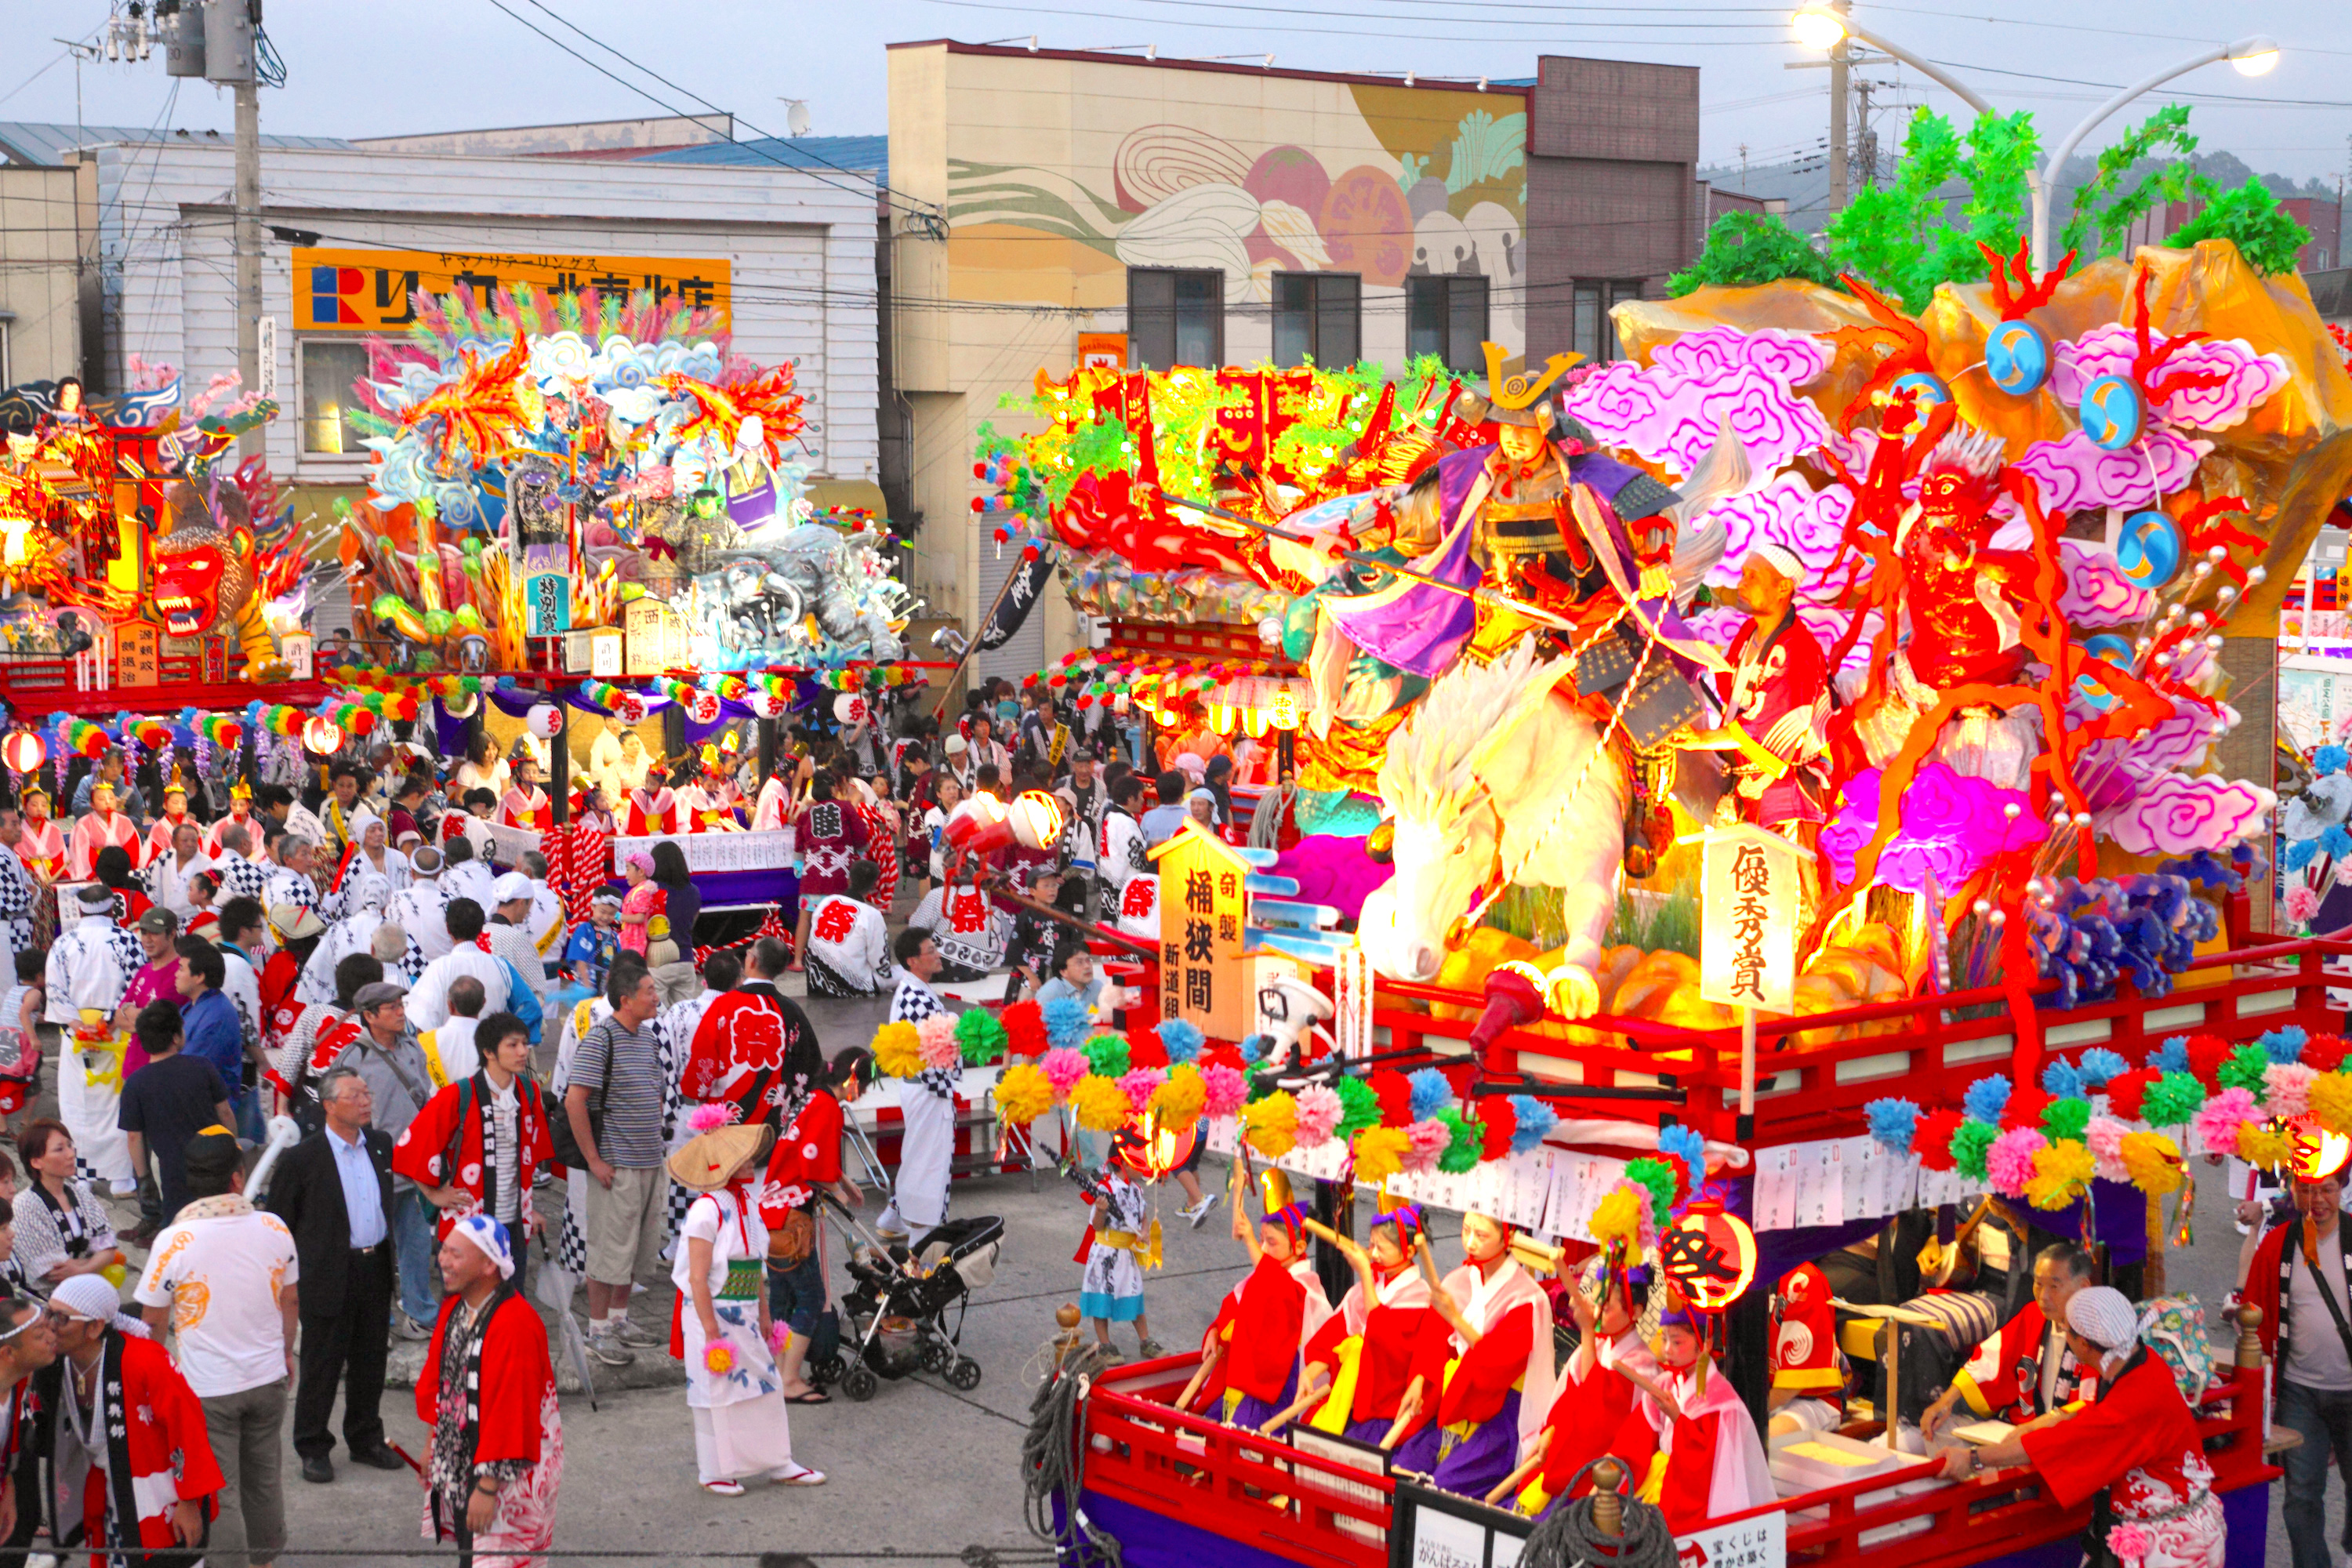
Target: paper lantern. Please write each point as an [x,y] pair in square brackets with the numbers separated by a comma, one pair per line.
[545,721]
[850,707]
[1710,1256]
[980,825]
[1037,819]
[24,751]
[767,705]
[701,706]
[1283,711]
[322,736]
[460,704]
[1161,1151]
[2319,1153]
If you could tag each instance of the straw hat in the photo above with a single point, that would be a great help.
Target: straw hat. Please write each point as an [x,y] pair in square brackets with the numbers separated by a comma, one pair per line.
[710,1160]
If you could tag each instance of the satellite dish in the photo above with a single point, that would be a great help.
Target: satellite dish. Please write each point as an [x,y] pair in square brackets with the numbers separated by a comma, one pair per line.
[796,116]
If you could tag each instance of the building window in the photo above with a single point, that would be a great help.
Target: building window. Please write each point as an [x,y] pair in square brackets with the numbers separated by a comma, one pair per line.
[1596,330]
[329,367]
[1318,316]
[1175,316]
[1446,316]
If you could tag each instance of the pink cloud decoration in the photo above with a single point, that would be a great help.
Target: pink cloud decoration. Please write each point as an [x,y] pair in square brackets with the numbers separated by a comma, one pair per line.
[2174,814]
[2108,350]
[1672,410]
[2078,475]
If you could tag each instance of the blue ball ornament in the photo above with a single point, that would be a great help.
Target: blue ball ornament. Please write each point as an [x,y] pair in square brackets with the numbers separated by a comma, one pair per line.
[1927,392]
[2116,651]
[2149,549]
[2017,357]
[2112,412]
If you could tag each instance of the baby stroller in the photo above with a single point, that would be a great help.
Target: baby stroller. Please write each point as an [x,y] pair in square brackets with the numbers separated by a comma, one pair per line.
[894,1319]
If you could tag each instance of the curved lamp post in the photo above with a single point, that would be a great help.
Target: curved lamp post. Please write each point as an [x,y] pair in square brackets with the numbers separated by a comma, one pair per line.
[1821,26]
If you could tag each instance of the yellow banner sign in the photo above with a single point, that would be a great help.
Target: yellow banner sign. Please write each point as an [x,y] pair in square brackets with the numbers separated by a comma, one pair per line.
[373,290]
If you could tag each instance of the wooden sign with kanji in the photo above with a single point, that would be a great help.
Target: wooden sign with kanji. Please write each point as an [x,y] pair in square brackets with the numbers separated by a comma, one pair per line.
[138,654]
[1202,908]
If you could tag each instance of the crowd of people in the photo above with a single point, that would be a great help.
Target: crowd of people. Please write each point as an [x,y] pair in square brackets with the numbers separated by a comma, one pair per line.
[351,943]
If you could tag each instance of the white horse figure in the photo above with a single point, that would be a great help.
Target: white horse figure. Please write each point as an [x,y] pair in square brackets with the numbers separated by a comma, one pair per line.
[1494,775]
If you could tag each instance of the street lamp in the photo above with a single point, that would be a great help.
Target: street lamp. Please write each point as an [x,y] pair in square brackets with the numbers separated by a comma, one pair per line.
[1821,26]
[2256,56]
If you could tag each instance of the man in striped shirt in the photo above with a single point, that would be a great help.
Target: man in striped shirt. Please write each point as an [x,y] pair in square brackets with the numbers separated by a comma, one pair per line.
[628,1184]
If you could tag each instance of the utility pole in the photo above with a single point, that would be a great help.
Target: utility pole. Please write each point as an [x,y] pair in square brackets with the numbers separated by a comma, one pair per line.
[229,26]
[1840,58]
[1743,172]
[1867,141]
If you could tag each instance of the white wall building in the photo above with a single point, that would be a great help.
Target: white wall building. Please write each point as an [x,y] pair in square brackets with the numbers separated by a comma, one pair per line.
[798,252]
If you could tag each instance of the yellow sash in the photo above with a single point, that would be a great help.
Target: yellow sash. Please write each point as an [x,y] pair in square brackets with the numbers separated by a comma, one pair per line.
[1145,1247]
[432,1058]
[1333,1417]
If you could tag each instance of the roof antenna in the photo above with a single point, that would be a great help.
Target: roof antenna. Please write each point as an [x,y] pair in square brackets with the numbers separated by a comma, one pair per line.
[1408,79]
[796,116]
[1482,84]
[1033,43]
[1151,51]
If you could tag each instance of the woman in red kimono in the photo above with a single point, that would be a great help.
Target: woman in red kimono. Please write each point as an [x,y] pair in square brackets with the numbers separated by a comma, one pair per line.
[650,808]
[487,1394]
[1365,1350]
[1594,1400]
[525,804]
[2133,1450]
[1691,1442]
[1480,1394]
[1256,1348]
[40,845]
[131,1469]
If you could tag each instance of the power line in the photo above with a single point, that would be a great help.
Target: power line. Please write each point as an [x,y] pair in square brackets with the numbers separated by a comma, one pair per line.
[1773,31]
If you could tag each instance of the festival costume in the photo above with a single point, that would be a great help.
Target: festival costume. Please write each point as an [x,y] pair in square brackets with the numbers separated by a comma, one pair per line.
[488,1392]
[926,1105]
[1491,1398]
[1778,692]
[741,1426]
[2004,1375]
[89,968]
[529,810]
[970,929]
[1370,1348]
[42,846]
[161,832]
[1111,1287]
[450,1143]
[831,835]
[738,1051]
[1805,1359]
[767,810]
[1266,1322]
[2135,1447]
[1705,1463]
[848,949]
[94,833]
[118,1468]
[1595,1401]
[645,813]
[240,815]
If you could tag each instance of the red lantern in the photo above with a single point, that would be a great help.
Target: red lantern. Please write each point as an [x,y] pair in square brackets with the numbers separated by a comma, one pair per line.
[1709,1255]
[2319,1153]
[24,751]
[322,736]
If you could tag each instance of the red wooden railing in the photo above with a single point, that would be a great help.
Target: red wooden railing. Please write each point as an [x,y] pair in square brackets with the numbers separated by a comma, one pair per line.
[1263,1494]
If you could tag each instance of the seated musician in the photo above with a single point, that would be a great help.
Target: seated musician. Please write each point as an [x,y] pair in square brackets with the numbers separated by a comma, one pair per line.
[1480,1394]
[1691,1441]
[1255,1349]
[2025,1369]
[1358,1363]
[1594,1400]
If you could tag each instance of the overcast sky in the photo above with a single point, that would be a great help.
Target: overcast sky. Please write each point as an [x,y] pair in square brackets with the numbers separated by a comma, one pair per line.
[356,69]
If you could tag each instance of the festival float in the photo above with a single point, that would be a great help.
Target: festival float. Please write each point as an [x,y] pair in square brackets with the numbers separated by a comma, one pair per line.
[1730,804]
[577,504]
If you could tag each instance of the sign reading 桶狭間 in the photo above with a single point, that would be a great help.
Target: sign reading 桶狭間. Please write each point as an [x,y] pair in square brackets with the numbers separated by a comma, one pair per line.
[376,291]
[1749,897]
[1202,906]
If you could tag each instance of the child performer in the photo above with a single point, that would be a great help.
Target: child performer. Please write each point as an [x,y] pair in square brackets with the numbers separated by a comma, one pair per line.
[1121,1242]
[1364,1354]
[1593,1402]
[1690,1441]
[1808,1393]
[1266,1322]
[1488,1383]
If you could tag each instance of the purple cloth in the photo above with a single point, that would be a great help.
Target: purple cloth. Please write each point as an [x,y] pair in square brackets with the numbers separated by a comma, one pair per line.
[1472,1466]
[1251,1413]
[1334,870]
[1371,1431]
[1420,1452]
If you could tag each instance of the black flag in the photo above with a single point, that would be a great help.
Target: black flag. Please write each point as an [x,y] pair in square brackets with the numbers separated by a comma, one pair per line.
[1020,596]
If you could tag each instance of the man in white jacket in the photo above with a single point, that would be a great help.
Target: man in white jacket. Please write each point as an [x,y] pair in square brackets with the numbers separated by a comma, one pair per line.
[849,942]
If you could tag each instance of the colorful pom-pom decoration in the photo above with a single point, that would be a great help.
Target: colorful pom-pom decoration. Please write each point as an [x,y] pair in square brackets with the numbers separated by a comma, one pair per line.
[715,1113]
[980,1036]
[897,1050]
[2062,1079]
[1023,1094]
[2061,1173]
[1430,1090]
[2153,1162]
[1270,1125]
[937,1041]
[1534,1119]
[1427,1141]
[1933,1140]
[1227,1090]
[2173,1100]
[1063,1067]
[718,1357]
[1361,1106]
[1180,1038]
[1099,1104]
[2285,1044]
[1985,1099]
[2098,1067]
[1139,1085]
[2172,1055]
[2217,1121]
[1066,1021]
[1380,1153]
[1108,1053]
[2247,1067]
[2330,1095]
[1891,1123]
[1025,1029]
[2105,1138]
[1971,1141]
[1319,1110]
[1461,1154]
[2067,1119]
[1656,1178]
[2009,1164]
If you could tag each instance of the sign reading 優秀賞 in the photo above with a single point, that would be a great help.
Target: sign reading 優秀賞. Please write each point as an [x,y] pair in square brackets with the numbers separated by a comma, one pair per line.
[1749,899]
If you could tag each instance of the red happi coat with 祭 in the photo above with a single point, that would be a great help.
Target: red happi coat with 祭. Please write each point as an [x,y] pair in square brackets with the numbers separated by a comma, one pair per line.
[737,1053]
[158,1454]
[444,1144]
[518,1383]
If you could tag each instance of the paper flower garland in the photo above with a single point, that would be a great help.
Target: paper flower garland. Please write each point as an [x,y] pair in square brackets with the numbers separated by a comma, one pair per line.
[2009,1160]
[1891,1123]
[939,1047]
[1180,1038]
[1430,1090]
[1108,1054]
[1063,1067]
[1360,1108]
[1534,1119]
[1226,1091]
[2173,1101]
[1428,1140]
[1025,1029]
[1176,1102]
[1319,1110]
[1380,1152]
[2331,1101]
[1065,1019]
[2217,1118]
[2153,1162]
[2286,1090]
[2065,1119]
[1099,1104]
[897,1050]
[1937,1132]
[1140,1086]
[980,1036]
[1270,1125]
[1971,1141]
[2061,1173]
[2105,1139]
[1461,1154]
[1985,1099]
[1658,1179]
[1023,1094]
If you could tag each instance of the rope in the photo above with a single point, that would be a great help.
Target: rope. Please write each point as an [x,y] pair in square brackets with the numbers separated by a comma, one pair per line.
[1054,1465]
[1566,1535]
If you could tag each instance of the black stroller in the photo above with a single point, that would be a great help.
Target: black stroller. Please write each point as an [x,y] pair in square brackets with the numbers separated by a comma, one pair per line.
[894,1319]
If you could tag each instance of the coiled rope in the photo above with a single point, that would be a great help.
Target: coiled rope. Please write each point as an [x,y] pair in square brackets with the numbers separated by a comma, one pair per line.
[1571,1534]
[1054,1465]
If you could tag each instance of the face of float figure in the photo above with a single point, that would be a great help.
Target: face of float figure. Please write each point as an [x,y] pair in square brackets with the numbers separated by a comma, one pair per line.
[1523,444]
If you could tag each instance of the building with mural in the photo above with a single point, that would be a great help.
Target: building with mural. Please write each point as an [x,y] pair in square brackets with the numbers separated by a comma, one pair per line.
[1173,212]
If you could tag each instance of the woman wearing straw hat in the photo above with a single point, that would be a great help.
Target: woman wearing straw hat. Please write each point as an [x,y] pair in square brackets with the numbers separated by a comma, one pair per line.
[721,1331]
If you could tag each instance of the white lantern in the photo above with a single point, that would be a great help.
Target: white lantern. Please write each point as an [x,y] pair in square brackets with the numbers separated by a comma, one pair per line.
[628,708]
[1037,819]
[702,707]
[766,704]
[322,736]
[545,721]
[851,708]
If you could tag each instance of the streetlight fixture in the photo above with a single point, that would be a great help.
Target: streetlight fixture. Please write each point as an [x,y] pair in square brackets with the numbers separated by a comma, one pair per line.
[1820,26]
[2254,55]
